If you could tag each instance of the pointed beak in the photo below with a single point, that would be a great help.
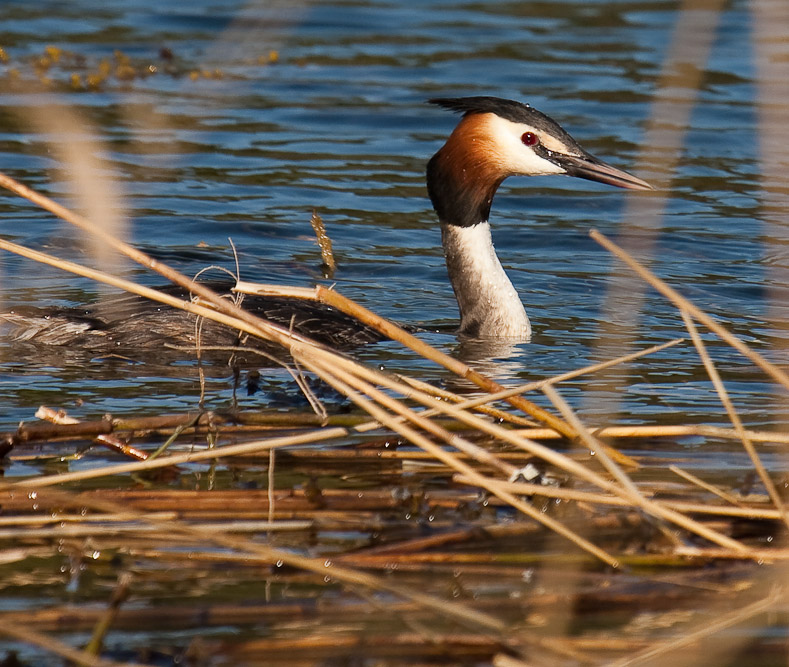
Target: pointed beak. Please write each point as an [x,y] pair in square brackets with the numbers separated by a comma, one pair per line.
[589,167]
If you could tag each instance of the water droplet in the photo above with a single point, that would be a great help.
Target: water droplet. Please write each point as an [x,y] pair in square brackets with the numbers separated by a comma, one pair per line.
[769,538]
[32,495]
[279,563]
[96,555]
[327,563]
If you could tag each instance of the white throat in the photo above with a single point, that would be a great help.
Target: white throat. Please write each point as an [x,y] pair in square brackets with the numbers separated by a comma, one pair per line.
[489,304]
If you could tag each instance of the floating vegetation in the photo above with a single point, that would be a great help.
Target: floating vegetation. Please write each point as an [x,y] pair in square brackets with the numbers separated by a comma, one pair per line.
[65,69]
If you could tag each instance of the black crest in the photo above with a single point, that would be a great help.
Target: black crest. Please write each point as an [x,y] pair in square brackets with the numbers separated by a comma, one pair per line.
[517,112]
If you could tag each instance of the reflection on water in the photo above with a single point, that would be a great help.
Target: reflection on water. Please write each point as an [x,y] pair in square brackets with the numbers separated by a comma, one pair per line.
[499,359]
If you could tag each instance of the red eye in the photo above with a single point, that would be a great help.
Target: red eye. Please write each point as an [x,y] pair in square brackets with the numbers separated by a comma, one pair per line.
[530,139]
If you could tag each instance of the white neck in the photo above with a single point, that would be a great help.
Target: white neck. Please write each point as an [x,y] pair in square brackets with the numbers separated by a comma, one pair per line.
[489,304]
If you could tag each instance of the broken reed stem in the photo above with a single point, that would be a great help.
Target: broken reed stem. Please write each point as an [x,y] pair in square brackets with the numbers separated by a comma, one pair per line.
[380,415]
[105,439]
[684,304]
[676,431]
[119,596]
[629,489]
[714,376]
[128,528]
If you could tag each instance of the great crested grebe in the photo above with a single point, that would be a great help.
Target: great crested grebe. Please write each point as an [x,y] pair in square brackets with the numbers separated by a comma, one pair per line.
[495,138]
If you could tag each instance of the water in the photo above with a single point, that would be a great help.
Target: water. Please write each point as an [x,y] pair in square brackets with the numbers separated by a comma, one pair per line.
[339,124]
[268,112]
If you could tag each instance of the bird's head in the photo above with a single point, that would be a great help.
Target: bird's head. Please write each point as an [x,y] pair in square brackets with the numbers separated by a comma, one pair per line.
[497,138]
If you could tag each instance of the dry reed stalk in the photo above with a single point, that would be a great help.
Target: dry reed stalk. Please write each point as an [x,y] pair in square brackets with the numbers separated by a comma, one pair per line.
[706,486]
[714,376]
[684,304]
[350,390]
[177,459]
[128,528]
[253,422]
[502,660]
[762,555]
[559,493]
[111,442]
[444,395]
[704,630]
[25,634]
[33,520]
[678,431]
[629,489]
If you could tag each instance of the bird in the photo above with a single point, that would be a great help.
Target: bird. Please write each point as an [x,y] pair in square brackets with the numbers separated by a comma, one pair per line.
[495,138]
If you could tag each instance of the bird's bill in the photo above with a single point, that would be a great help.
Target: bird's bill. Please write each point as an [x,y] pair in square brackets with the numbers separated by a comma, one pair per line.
[591,168]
